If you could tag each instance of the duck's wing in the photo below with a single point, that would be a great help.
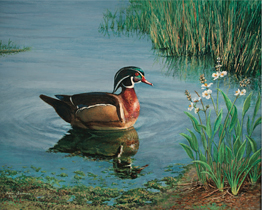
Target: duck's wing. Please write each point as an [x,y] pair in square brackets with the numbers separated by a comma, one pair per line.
[94,106]
[61,108]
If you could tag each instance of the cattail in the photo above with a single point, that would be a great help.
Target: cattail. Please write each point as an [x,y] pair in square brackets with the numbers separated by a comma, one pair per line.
[188,95]
[202,78]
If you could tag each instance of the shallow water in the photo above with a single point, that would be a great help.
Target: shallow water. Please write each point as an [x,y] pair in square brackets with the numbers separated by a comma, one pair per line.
[70,56]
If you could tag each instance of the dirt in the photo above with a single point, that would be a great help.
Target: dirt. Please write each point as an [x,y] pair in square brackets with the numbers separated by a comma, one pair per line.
[190,194]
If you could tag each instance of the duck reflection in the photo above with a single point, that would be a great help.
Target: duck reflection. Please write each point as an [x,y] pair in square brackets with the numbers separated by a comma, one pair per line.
[117,145]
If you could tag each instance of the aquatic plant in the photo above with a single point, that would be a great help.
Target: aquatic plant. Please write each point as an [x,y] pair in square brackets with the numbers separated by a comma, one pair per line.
[227,153]
[227,29]
[10,47]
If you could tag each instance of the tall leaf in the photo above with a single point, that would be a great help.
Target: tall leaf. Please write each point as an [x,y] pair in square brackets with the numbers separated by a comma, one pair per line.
[258,121]
[194,121]
[194,143]
[248,126]
[188,150]
[208,126]
[227,101]
[246,104]
[253,144]
[257,106]
[236,146]
[228,155]
[215,154]
[233,119]
[254,157]
[218,121]
[241,151]
[221,153]
[204,141]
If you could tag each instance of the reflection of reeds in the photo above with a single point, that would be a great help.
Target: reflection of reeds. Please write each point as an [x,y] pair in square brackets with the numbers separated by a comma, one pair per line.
[227,29]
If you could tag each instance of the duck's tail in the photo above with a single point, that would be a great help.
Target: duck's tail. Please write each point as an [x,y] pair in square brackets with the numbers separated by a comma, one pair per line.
[61,108]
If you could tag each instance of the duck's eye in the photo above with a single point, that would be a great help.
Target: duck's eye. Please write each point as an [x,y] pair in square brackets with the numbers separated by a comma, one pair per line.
[137,77]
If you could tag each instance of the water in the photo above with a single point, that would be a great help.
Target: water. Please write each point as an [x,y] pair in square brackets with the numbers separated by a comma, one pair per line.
[70,56]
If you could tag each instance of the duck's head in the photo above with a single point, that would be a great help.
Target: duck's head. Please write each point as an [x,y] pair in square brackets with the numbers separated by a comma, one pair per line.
[127,77]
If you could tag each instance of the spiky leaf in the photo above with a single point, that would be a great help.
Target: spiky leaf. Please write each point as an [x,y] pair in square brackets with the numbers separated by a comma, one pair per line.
[241,151]
[202,157]
[203,164]
[221,153]
[248,126]
[204,141]
[236,145]
[227,101]
[215,154]
[233,119]
[188,150]
[246,104]
[193,143]
[258,121]
[194,121]
[208,126]
[254,157]
[253,144]
[218,121]
[228,155]
[257,106]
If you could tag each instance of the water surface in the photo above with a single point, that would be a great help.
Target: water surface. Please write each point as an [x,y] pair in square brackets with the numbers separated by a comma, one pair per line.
[70,56]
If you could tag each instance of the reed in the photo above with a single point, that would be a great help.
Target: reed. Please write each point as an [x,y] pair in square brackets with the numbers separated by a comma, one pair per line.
[227,29]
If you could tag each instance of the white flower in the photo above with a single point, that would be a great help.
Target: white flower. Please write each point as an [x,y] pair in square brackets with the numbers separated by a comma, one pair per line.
[191,106]
[206,94]
[195,100]
[215,75]
[242,92]
[205,86]
[223,73]
[197,110]
[237,92]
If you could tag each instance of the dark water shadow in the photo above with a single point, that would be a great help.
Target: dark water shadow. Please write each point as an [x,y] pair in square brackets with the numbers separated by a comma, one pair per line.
[120,146]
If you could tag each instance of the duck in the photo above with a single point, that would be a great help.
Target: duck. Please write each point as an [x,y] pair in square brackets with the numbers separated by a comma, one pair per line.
[103,110]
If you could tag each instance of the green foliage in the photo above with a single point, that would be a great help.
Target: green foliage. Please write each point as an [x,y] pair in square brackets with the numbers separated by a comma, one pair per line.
[234,157]
[227,29]
[10,47]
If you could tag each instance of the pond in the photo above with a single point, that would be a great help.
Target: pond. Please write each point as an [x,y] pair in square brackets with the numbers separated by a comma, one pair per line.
[70,56]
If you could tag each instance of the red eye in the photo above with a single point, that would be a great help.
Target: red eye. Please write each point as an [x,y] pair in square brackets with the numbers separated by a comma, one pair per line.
[136,73]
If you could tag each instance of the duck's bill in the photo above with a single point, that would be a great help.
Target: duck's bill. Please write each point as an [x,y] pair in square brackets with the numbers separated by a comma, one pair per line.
[145,81]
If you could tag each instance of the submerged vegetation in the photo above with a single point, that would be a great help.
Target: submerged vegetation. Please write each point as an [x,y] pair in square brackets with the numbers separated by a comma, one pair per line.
[227,29]
[228,154]
[10,47]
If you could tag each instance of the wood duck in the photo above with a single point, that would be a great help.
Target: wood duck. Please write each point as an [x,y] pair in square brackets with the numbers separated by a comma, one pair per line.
[101,110]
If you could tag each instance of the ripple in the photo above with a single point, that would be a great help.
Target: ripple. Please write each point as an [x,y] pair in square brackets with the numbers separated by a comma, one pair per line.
[30,123]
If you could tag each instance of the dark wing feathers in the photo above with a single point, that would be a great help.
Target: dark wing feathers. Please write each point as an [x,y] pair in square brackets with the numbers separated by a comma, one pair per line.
[67,104]
[61,108]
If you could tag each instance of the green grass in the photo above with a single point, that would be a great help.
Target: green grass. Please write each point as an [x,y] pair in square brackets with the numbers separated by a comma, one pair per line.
[227,29]
[10,47]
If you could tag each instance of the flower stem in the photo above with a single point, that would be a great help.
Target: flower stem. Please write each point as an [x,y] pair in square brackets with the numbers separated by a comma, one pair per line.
[214,104]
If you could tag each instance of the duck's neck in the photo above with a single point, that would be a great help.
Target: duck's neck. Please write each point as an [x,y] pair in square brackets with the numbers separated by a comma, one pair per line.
[130,102]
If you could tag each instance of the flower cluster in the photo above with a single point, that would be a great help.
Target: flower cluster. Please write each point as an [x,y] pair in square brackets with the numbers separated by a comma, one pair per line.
[244,82]
[207,91]
[193,102]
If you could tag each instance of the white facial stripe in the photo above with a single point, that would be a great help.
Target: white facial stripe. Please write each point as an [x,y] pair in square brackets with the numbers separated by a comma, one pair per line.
[122,70]
[121,80]
[71,100]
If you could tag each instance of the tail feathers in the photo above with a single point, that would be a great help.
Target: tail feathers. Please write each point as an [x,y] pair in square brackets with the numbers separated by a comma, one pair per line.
[61,108]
